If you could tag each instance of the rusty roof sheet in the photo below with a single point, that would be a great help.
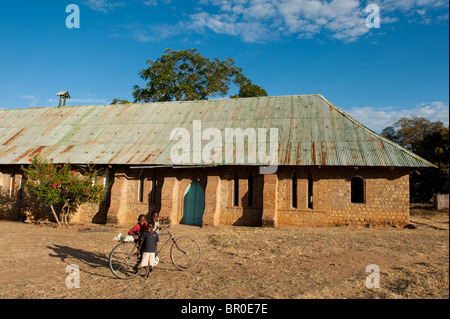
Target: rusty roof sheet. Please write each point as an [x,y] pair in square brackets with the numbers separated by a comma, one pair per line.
[312,131]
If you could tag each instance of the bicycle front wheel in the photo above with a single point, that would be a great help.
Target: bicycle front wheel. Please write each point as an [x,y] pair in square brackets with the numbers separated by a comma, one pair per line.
[185,253]
[123,261]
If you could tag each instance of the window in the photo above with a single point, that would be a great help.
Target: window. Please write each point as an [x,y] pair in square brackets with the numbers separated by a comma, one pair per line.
[106,181]
[358,190]
[141,188]
[294,191]
[12,183]
[236,191]
[310,191]
[153,192]
[250,190]
[22,185]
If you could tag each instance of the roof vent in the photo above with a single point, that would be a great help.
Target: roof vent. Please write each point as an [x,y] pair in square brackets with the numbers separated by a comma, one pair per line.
[65,95]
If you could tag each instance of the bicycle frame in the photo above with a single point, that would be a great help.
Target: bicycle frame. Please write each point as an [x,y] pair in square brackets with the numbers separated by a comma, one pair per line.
[173,240]
[168,239]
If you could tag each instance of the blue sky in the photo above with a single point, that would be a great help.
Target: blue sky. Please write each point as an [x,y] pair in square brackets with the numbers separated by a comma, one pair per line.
[288,47]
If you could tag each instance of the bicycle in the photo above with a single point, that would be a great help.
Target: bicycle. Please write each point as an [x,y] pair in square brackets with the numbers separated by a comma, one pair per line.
[185,254]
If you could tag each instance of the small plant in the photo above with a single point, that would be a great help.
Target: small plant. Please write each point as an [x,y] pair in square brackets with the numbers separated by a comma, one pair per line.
[59,184]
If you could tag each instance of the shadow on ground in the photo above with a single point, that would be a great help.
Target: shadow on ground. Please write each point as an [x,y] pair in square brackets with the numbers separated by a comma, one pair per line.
[94,261]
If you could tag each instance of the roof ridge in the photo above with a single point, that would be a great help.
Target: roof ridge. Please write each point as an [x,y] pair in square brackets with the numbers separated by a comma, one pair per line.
[163,102]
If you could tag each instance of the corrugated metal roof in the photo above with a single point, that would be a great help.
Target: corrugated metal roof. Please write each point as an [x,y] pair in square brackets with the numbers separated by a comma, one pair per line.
[312,131]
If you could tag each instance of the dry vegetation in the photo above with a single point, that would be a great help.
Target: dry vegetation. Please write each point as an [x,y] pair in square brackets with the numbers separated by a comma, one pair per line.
[238,262]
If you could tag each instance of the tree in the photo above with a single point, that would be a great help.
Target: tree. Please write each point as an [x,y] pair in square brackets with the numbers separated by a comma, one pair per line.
[119,101]
[248,89]
[186,75]
[429,140]
[411,132]
[56,185]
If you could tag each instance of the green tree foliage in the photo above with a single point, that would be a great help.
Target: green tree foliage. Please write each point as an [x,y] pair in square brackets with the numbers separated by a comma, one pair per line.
[429,140]
[119,101]
[248,89]
[186,75]
[55,184]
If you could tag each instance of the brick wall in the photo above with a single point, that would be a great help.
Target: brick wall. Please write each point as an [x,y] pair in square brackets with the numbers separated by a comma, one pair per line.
[386,196]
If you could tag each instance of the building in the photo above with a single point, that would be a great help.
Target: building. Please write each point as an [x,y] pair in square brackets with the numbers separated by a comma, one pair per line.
[327,169]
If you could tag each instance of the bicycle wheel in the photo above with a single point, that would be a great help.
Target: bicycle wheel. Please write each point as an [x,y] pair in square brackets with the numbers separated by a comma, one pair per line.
[185,253]
[123,261]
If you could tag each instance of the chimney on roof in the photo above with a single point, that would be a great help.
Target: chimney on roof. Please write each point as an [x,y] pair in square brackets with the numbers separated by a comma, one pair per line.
[65,95]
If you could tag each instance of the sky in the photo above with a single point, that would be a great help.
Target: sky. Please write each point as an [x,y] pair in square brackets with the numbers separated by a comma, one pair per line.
[289,47]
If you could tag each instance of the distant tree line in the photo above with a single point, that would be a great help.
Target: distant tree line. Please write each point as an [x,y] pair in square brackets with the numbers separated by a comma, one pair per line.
[429,140]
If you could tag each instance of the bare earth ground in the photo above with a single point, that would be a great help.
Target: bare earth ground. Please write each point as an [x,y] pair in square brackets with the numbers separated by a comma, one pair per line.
[237,262]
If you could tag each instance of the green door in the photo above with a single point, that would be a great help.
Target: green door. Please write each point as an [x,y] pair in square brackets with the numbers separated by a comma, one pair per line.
[194,204]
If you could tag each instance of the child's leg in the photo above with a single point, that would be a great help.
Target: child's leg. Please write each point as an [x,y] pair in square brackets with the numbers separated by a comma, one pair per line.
[144,261]
[140,251]
[152,261]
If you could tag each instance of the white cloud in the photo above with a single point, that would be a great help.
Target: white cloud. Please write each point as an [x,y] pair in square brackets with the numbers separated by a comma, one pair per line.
[103,5]
[249,31]
[150,3]
[155,32]
[88,101]
[379,118]
[265,20]
[107,5]
[262,20]
[32,100]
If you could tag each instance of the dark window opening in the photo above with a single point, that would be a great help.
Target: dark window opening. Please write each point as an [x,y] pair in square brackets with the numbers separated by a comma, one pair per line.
[153,192]
[357,190]
[13,182]
[310,191]
[141,188]
[236,191]
[22,185]
[106,185]
[250,190]
[294,191]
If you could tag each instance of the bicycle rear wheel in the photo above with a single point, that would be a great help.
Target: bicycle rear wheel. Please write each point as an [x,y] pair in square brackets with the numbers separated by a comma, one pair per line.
[123,261]
[185,253]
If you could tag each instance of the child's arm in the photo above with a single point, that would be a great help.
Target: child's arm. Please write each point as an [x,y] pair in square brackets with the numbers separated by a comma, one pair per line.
[132,230]
[142,241]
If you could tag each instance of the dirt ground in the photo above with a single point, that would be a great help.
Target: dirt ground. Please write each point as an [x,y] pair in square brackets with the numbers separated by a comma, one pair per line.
[237,262]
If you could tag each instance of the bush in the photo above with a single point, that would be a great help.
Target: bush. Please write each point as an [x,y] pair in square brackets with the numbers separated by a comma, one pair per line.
[58,184]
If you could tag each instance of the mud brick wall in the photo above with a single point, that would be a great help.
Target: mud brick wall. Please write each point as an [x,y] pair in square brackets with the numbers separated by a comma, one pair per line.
[11,205]
[243,214]
[386,196]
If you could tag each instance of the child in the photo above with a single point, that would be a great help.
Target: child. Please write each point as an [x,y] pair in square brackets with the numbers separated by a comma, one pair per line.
[155,218]
[139,228]
[149,243]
